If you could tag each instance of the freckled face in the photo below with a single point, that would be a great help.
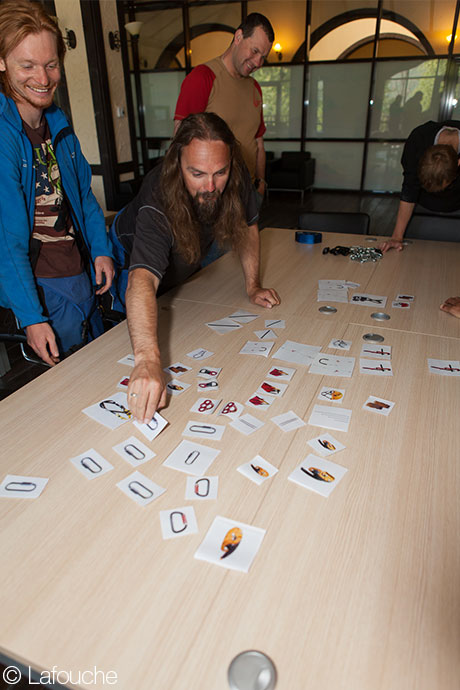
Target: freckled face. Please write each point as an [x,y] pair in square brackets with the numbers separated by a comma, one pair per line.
[33,71]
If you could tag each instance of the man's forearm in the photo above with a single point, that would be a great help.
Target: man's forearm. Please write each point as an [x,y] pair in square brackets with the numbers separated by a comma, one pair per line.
[249,255]
[142,315]
[260,160]
[405,211]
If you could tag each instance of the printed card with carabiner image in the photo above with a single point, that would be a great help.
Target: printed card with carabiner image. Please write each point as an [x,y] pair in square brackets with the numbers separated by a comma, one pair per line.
[231,409]
[153,428]
[281,373]
[175,387]
[177,369]
[112,412]
[200,353]
[178,522]
[91,464]
[201,488]
[326,444]
[331,394]
[260,402]
[210,432]
[134,451]
[270,388]
[209,372]
[230,544]
[210,385]
[140,488]
[191,458]
[258,470]
[17,486]
[318,475]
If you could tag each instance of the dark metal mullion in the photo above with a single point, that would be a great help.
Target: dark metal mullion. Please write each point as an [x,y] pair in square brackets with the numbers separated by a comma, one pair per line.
[306,57]
[187,49]
[244,10]
[371,91]
[128,86]
[451,73]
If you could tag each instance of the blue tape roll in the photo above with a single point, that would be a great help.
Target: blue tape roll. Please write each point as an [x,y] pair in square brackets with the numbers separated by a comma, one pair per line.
[308,237]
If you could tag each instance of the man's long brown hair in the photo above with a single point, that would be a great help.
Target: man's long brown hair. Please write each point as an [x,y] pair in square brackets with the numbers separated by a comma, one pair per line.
[230,227]
[19,19]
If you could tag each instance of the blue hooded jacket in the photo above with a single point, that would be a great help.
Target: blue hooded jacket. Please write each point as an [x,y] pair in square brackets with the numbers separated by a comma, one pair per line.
[18,289]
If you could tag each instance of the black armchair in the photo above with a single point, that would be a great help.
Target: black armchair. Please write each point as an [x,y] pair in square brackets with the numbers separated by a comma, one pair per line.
[293,172]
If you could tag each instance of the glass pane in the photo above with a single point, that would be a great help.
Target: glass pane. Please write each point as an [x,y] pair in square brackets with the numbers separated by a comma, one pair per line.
[282,96]
[288,21]
[337,100]
[406,94]
[159,92]
[160,39]
[277,147]
[383,169]
[338,165]
[337,26]
[211,30]
[430,21]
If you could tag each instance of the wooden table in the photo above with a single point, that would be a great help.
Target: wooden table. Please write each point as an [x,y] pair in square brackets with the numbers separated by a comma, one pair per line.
[355,592]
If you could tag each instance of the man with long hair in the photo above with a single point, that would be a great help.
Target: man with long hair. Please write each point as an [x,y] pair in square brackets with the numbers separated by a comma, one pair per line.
[430,163]
[52,230]
[224,86]
[200,193]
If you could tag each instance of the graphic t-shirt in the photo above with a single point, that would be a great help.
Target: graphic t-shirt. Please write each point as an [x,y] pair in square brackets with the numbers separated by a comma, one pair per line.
[59,255]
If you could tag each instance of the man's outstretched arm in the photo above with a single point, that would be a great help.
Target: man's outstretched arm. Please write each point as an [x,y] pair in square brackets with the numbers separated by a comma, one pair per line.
[249,255]
[405,211]
[146,390]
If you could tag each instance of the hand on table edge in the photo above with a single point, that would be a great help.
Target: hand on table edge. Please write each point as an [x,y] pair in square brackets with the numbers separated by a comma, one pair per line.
[41,338]
[391,244]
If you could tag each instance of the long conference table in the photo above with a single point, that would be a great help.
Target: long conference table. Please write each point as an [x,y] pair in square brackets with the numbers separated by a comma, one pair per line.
[357,591]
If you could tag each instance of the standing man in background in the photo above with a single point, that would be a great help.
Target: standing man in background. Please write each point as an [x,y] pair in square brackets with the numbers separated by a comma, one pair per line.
[224,86]
[52,230]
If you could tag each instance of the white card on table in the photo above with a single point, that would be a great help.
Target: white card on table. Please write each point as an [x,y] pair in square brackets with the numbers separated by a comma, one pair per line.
[211,432]
[153,428]
[266,334]
[200,353]
[17,486]
[243,316]
[191,458]
[224,326]
[366,300]
[297,353]
[444,367]
[399,304]
[140,488]
[261,402]
[177,369]
[318,474]
[175,387]
[275,323]
[378,405]
[330,417]
[210,385]
[208,373]
[232,409]
[230,544]
[376,352]
[257,348]
[339,344]
[246,424]
[112,412]
[129,360]
[178,522]
[331,394]
[201,488]
[205,406]
[271,388]
[91,464]
[326,444]
[332,295]
[332,285]
[123,383]
[376,368]
[134,451]
[257,470]
[281,373]
[405,298]
[288,421]
[331,365]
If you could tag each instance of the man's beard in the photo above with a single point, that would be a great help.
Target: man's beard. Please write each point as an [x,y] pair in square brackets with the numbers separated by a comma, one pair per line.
[207,207]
